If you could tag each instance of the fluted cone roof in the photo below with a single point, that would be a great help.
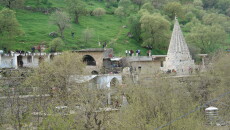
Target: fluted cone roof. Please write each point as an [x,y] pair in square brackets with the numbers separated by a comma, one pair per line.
[178,56]
[177,42]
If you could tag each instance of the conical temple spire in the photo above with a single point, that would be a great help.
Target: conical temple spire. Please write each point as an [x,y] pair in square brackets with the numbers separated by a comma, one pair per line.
[178,56]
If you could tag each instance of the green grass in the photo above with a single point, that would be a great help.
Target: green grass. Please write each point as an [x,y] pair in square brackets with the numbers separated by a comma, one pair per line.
[36,27]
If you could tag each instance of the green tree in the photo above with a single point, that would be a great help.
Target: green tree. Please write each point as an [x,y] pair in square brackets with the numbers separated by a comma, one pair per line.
[209,3]
[124,8]
[139,3]
[13,3]
[223,5]
[76,8]
[9,26]
[56,44]
[154,30]
[191,24]
[207,37]
[198,3]
[99,12]
[135,27]
[87,35]
[149,7]
[174,8]
[120,11]
[213,18]
[61,20]
[158,4]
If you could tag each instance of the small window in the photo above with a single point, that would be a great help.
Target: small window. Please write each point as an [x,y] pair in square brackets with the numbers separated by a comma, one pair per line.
[29,59]
[162,64]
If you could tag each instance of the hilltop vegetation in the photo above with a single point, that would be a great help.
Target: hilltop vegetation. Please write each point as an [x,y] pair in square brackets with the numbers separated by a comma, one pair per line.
[122,24]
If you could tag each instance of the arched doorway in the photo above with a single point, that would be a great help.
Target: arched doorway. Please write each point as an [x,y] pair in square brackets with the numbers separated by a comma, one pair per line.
[19,61]
[94,72]
[89,60]
[114,83]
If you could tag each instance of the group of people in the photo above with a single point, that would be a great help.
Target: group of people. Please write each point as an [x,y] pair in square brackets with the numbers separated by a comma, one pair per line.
[138,52]
[131,52]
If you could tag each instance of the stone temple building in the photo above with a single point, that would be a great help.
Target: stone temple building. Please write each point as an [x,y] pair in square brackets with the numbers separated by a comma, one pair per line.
[178,57]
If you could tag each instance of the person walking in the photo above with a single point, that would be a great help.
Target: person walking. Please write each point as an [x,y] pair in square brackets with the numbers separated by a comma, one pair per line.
[126,53]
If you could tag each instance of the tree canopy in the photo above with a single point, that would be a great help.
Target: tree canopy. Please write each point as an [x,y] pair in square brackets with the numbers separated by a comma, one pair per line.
[61,20]
[154,30]
[76,8]
[207,37]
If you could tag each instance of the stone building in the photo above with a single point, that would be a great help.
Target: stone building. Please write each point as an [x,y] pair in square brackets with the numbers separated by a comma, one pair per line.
[144,65]
[18,60]
[94,58]
[178,57]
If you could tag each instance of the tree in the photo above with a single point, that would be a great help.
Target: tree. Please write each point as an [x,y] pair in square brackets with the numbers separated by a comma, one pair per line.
[139,3]
[223,5]
[9,26]
[81,103]
[87,35]
[191,24]
[76,8]
[198,3]
[213,18]
[99,12]
[207,38]
[174,8]
[158,4]
[8,23]
[154,30]
[153,103]
[135,27]
[120,11]
[124,8]
[149,7]
[61,20]
[13,3]
[56,44]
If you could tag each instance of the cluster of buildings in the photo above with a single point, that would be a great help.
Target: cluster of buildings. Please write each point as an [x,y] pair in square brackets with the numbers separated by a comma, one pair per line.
[102,65]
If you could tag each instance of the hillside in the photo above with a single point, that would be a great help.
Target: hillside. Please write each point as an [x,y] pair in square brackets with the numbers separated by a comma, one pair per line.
[108,28]
[36,28]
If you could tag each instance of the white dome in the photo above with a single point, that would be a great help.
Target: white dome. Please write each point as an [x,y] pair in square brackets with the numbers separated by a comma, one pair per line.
[211,108]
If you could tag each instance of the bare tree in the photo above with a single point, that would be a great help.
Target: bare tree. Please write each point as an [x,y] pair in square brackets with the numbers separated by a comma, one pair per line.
[61,20]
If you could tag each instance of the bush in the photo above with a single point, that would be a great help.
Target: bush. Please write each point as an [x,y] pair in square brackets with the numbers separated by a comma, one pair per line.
[99,12]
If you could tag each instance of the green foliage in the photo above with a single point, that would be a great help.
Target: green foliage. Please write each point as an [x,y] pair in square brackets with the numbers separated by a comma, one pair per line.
[56,45]
[154,31]
[87,35]
[139,2]
[191,24]
[124,8]
[76,8]
[149,7]
[154,103]
[207,37]
[174,8]
[8,23]
[99,12]
[213,18]
[61,20]
[120,11]
[12,3]
[9,26]
[135,27]
[198,3]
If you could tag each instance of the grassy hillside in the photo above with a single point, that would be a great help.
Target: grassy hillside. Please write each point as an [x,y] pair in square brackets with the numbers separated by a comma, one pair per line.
[36,27]
[107,28]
